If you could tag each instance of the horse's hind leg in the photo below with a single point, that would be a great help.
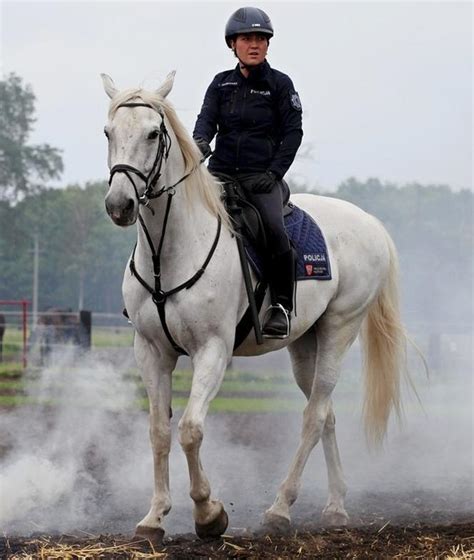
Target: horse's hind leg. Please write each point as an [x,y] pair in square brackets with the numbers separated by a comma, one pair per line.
[334,512]
[331,342]
[156,374]
[303,359]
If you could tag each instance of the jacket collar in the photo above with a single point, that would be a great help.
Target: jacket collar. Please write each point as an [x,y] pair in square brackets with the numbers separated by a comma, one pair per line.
[258,73]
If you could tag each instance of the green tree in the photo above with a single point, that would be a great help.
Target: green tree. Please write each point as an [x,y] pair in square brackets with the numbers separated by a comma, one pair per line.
[23,167]
[82,253]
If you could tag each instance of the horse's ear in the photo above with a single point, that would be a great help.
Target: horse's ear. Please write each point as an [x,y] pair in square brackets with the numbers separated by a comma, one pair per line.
[109,85]
[167,85]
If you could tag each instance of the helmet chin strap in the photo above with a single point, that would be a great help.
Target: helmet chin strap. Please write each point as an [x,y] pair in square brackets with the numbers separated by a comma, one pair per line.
[243,65]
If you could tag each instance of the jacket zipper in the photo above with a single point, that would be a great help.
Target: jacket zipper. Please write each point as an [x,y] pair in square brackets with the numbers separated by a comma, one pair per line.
[237,155]
[233,99]
[270,145]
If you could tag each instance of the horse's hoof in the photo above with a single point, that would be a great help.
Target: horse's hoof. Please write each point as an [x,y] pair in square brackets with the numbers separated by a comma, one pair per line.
[215,528]
[275,525]
[154,535]
[334,518]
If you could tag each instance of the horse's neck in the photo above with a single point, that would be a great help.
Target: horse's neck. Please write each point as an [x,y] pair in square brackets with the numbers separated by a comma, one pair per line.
[188,235]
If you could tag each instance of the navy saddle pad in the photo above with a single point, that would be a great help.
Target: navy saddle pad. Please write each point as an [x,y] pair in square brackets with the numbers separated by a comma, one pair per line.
[312,261]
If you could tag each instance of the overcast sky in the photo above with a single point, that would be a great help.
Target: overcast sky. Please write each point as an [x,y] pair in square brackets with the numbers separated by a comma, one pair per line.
[386,87]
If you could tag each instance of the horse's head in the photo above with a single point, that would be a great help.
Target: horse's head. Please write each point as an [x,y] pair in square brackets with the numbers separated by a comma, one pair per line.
[138,147]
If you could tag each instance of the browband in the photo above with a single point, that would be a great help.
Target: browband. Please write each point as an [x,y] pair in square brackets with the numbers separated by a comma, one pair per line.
[136,105]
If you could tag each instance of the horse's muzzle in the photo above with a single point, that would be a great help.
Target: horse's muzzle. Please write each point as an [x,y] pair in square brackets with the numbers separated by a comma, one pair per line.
[122,210]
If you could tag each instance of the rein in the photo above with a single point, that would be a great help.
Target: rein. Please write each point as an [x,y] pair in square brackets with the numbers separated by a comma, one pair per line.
[158,295]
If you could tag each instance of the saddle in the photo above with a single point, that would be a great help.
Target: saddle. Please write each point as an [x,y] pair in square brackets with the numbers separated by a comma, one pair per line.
[305,236]
[245,216]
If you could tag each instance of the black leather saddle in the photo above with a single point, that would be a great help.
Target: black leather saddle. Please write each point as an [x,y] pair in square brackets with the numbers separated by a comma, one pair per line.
[245,216]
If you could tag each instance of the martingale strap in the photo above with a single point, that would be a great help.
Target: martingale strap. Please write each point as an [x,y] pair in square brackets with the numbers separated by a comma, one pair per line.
[158,295]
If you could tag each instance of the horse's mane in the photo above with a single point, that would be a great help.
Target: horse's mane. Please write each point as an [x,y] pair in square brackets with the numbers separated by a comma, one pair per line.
[201,184]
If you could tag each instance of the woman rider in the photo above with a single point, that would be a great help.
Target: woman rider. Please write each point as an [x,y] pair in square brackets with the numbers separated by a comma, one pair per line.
[256,114]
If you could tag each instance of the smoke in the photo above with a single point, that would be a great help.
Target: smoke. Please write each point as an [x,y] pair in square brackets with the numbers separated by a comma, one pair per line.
[82,461]
[66,458]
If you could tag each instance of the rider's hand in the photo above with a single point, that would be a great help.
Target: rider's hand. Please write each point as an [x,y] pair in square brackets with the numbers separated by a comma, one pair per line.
[264,182]
[204,146]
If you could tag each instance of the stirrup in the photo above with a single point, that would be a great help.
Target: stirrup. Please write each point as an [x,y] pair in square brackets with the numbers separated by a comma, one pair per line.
[267,316]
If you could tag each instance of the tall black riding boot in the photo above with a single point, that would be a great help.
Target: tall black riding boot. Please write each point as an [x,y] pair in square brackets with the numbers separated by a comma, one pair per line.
[277,319]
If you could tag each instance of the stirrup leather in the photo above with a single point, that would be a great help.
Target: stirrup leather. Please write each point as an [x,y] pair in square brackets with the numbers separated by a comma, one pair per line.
[267,316]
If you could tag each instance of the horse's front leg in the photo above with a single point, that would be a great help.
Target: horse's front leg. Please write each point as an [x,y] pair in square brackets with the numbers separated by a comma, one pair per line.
[156,372]
[209,366]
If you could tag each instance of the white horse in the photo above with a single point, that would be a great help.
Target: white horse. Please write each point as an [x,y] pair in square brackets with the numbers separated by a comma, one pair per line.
[151,154]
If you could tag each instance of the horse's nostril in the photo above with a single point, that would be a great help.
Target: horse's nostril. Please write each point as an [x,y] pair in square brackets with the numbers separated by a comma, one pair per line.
[129,206]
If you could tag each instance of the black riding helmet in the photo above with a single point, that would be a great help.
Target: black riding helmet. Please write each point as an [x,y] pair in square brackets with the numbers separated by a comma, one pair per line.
[248,20]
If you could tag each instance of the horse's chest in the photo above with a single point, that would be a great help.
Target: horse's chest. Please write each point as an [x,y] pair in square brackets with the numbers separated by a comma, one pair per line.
[145,318]
[148,323]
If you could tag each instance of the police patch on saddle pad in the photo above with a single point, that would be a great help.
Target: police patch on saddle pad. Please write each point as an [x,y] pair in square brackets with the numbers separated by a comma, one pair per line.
[312,260]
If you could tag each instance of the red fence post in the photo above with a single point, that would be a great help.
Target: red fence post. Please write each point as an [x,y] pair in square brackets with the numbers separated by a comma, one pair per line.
[2,332]
[24,307]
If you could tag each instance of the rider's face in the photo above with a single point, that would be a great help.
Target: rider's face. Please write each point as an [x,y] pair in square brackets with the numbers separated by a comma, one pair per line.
[251,48]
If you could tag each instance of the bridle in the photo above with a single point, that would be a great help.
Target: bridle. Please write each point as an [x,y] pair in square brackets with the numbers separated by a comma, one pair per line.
[159,296]
[150,180]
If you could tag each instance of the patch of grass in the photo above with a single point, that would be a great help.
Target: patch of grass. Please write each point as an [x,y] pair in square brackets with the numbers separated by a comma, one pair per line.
[233,383]
[239,405]
[10,369]
[236,386]
[273,376]
[12,344]
[222,404]
[11,384]
[13,336]
[15,400]
[100,338]
[115,338]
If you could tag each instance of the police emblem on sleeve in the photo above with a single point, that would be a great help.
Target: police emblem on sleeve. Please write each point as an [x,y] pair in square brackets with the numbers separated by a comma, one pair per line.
[295,101]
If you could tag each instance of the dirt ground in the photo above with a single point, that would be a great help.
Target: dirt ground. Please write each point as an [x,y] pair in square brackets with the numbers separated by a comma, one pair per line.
[423,542]
[409,523]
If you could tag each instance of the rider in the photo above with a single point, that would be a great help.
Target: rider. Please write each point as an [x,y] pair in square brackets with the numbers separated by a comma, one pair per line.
[256,113]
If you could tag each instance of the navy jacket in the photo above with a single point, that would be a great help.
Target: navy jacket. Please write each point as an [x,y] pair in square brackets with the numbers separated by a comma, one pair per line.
[257,121]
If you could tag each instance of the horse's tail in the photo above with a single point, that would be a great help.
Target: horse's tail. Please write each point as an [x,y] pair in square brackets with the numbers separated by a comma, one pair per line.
[384,347]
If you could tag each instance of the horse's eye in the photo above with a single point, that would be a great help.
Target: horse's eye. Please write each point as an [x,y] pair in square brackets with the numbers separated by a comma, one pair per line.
[153,135]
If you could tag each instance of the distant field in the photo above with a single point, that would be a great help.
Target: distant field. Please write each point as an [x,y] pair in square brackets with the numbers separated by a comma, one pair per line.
[112,337]
[102,337]
[240,391]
